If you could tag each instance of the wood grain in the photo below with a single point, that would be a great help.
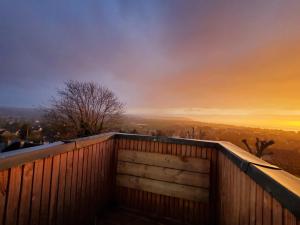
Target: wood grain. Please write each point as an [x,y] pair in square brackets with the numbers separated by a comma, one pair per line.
[3,193]
[13,196]
[164,174]
[27,176]
[164,160]
[164,188]
[36,192]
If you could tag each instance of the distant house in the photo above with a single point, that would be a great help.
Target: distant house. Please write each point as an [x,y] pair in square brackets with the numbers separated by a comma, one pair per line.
[2,131]
[7,139]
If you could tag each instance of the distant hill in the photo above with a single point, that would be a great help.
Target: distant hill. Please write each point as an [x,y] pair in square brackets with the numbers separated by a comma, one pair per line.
[16,112]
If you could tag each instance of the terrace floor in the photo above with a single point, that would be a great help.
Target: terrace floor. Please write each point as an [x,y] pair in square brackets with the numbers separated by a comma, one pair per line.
[118,216]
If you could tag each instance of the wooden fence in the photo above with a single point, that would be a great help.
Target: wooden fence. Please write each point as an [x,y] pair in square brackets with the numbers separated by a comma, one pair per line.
[57,184]
[162,204]
[254,198]
[71,183]
[243,190]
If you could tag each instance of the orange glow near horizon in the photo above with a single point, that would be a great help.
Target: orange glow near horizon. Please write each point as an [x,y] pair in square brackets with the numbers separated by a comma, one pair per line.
[288,120]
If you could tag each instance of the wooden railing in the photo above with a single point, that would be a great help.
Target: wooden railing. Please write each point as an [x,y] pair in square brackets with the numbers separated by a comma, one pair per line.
[243,189]
[72,182]
[251,191]
[165,204]
[61,183]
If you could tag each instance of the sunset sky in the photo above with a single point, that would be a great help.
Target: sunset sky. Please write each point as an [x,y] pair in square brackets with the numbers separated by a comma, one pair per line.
[235,62]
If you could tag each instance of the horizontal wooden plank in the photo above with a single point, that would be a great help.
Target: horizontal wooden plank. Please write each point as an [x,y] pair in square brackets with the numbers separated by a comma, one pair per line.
[164,174]
[164,188]
[164,160]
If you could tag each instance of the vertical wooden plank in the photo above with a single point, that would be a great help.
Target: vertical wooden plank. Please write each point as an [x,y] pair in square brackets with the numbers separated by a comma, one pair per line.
[132,144]
[83,202]
[100,174]
[36,192]
[277,213]
[267,209]
[210,217]
[93,183]
[24,212]
[214,187]
[13,195]
[252,203]
[3,193]
[61,188]
[104,170]
[245,209]
[204,155]
[200,207]
[144,201]
[46,191]
[54,189]
[190,203]
[220,184]
[68,180]
[236,190]
[289,218]
[74,185]
[259,205]
[96,173]
[181,152]
[113,169]
[174,209]
[79,191]
[223,190]
[105,155]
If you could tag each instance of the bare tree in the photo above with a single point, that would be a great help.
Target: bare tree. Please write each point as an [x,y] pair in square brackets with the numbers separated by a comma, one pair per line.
[260,145]
[83,108]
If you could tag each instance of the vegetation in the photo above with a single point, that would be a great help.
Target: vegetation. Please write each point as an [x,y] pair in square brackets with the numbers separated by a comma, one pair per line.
[260,145]
[82,109]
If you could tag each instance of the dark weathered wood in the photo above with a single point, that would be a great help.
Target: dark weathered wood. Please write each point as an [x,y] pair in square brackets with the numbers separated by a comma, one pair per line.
[84,187]
[36,192]
[51,189]
[13,196]
[267,209]
[68,185]
[181,210]
[289,218]
[243,201]
[3,193]
[44,212]
[164,174]
[163,188]
[54,189]
[277,213]
[73,191]
[24,210]
[61,188]
[79,191]
[164,160]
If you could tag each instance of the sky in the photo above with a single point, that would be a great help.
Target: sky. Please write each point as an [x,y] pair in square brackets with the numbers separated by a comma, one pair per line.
[225,61]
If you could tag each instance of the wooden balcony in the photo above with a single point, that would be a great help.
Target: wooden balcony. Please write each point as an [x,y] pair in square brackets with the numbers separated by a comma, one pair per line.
[133,179]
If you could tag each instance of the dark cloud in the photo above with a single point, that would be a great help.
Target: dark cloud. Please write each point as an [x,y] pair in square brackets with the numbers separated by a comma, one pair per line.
[138,48]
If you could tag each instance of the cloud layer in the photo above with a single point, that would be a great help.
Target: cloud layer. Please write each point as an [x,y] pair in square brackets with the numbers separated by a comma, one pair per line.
[154,54]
